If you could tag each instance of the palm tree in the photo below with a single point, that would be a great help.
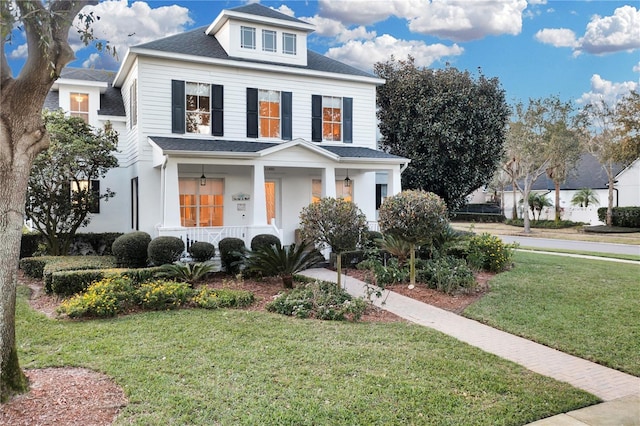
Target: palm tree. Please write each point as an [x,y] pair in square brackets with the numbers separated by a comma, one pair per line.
[584,197]
[283,262]
[537,202]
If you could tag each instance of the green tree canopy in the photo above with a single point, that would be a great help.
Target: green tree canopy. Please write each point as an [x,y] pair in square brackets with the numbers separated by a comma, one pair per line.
[61,197]
[449,124]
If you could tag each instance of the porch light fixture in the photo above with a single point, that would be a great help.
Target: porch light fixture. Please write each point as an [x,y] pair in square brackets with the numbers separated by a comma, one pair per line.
[347,181]
[203,178]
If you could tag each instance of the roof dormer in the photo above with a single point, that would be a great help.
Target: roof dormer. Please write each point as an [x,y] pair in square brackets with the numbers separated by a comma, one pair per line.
[256,32]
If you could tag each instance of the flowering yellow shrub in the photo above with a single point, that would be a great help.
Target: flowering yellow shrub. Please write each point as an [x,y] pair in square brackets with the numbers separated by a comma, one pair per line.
[104,298]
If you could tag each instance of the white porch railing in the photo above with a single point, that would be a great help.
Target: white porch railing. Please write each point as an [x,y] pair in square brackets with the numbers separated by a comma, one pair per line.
[373,226]
[214,234]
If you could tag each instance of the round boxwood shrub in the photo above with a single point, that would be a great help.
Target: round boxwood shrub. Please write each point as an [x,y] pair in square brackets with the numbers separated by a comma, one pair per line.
[130,250]
[163,250]
[264,240]
[231,252]
[201,251]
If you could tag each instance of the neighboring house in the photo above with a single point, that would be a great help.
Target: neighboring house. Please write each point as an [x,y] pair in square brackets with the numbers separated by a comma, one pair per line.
[231,129]
[589,174]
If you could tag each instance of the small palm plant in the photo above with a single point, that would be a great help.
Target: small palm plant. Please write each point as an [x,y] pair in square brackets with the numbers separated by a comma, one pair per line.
[283,262]
[186,272]
[584,197]
[397,247]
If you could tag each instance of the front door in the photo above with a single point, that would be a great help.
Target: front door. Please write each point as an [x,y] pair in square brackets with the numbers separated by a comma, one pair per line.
[270,195]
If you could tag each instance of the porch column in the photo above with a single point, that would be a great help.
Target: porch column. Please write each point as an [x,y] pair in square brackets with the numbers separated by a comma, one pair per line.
[394,185]
[259,206]
[171,199]
[329,182]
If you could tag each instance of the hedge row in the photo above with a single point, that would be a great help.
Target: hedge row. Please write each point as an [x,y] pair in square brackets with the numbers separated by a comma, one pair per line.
[83,243]
[624,217]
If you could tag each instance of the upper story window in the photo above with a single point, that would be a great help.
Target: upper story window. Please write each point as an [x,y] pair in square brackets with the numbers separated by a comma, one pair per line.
[331,118]
[198,103]
[289,43]
[79,106]
[268,41]
[247,37]
[269,113]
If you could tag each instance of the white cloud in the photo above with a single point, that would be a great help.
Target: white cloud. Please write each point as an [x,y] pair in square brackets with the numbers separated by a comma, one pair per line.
[603,35]
[558,37]
[331,28]
[636,67]
[363,54]
[19,52]
[613,33]
[604,90]
[125,26]
[537,1]
[459,20]
[285,9]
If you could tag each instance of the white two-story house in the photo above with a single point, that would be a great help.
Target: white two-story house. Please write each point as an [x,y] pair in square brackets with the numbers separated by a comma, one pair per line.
[231,129]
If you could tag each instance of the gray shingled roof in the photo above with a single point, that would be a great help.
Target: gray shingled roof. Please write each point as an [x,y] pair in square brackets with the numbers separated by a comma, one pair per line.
[197,43]
[260,10]
[52,102]
[215,145]
[88,74]
[111,102]
[588,174]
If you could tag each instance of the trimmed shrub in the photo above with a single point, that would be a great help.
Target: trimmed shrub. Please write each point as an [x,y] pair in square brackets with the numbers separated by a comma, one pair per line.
[447,274]
[201,251]
[165,250]
[74,263]
[624,217]
[264,240]
[130,249]
[208,298]
[33,267]
[29,244]
[104,298]
[231,254]
[141,275]
[488,253]
[159,295]
[68,283]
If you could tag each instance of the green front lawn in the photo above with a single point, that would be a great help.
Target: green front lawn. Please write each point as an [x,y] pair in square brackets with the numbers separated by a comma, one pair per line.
[206,367]
[585,307]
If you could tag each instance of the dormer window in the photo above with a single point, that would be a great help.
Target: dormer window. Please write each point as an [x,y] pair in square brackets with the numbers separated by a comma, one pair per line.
[247,37]
[268,41]
[79,106]
[289,43]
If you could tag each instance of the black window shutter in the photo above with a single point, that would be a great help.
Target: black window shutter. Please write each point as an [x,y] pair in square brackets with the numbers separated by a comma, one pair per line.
[286,116]
[95,197]
[316,118]
[252,113]
[217,110]
[347,123]
[177,106]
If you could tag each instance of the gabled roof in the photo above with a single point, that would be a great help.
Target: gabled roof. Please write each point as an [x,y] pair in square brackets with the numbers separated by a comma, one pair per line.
[188,146]
[197,43]
[260,10]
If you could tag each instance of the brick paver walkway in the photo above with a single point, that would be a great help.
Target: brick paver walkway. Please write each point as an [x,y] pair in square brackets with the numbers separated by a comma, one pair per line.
[605,383]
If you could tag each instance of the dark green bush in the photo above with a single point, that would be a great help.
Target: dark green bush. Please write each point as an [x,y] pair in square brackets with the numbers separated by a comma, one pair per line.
[478,217]
[349,258]
[544,224]
[264,240]
[165,250]
[201,251]
[624,217]
[369,238]
[142,275]
[447,274]
[231,254]
[100,242]
[33,267]
[68,283]
[186,272]
[29,244]
[130,249]
[489,253]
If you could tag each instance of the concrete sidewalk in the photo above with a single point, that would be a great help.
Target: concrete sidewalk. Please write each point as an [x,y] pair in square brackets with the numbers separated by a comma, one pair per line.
[620,391]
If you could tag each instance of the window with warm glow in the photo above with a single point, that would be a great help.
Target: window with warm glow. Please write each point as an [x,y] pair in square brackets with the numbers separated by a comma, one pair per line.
[79,106]
[331,118]
[201,205]
[198,103]
[269,113]
[86,192]
[342,191]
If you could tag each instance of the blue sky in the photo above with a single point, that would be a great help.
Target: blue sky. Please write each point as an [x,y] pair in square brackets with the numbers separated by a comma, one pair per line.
[578,50]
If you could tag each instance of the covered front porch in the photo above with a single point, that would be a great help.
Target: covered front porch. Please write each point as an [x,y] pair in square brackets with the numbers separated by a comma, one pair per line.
[209,194]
